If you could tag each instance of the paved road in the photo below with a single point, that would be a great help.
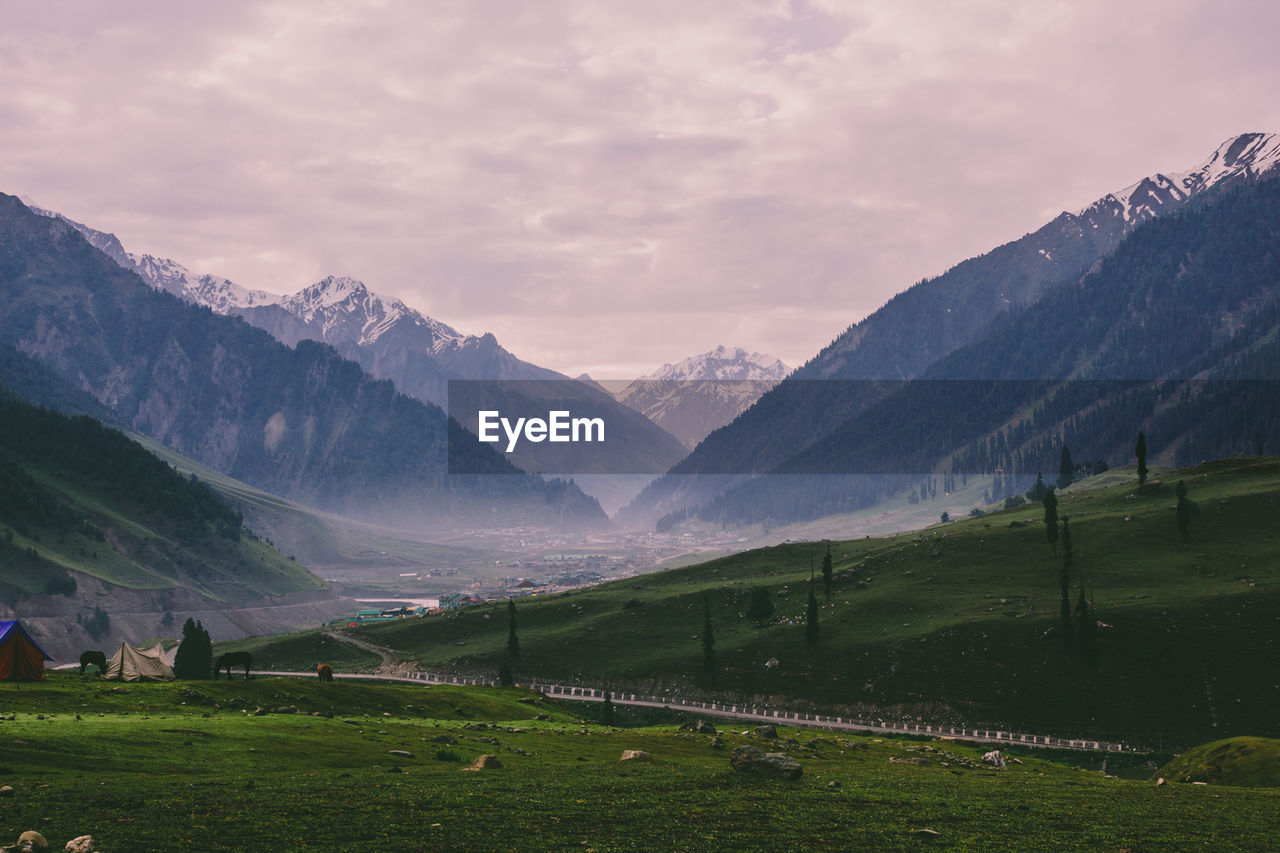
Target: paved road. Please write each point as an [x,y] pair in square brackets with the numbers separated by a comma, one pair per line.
[753,714]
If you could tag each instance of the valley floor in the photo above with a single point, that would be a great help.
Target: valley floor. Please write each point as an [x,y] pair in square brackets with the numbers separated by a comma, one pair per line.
[359,766]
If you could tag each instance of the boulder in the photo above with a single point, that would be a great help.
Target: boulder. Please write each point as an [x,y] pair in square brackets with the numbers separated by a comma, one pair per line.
[83,844]
[777,765]
[6,791]
[704,728]
[634,755]
[31,840]
[767,731]
[486,762]
[401,753]
[717,743]
[994,758]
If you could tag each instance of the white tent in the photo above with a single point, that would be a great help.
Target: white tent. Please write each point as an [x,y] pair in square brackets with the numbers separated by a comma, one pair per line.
[134,664]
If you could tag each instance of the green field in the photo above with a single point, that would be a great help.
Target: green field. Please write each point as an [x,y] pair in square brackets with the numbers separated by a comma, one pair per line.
[188,766]
[952,625]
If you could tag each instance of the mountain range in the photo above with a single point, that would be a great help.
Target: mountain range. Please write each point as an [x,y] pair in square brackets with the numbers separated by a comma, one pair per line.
[695,396]
[985,317]
[301,422]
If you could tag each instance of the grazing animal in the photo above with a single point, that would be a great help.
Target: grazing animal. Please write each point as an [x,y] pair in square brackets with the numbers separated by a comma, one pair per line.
[230,659]
[92,657]
[324,672]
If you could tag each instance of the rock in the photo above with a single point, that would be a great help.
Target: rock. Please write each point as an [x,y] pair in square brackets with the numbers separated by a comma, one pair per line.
[6,791]
[769,732]
[486,762]
[926,833]
[717,743]
[83,844]
[402,753]
[259,712]
[778,765]
[833,784]
[994,758]
[920,761]
[1160,782]
[32,840]
[704,728]
[634,755]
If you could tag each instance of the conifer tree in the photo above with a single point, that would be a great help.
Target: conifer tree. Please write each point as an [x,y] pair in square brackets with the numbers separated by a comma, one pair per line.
[708,637]
[513,642]
[1051,518]
[1140,450]
[826,573]
[1066,468]
[1086,629]
[1038,491]
[811,617]
[606,713]
[505,678]
[759,606]
[194,658]
[1064,580]
[1185,512]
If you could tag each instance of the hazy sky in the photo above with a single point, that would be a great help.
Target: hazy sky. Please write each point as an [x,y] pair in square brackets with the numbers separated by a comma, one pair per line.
[607,185]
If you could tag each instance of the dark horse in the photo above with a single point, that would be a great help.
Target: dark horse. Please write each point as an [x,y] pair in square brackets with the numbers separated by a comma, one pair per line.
[95,658]
[231,659]
[324,672]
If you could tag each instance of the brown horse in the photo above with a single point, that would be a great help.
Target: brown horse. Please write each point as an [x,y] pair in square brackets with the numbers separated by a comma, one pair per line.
[230,659]
[324,672]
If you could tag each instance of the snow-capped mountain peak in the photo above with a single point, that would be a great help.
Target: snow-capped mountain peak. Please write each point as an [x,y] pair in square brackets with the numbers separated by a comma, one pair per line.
[1246,155]
[345,310]
[724,363]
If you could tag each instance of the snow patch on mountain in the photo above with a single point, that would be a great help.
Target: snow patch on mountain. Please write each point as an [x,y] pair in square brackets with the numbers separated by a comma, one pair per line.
[1247,155]
[345,309]
[724,363]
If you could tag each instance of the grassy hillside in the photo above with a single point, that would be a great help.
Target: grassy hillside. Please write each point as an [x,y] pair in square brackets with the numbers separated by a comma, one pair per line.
[78,497]
[953,624]
[1244,761]
[189,766]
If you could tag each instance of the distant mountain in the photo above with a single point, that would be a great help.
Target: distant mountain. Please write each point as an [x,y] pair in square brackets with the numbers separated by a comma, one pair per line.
[934,318]
[101,539]
[388,339]
[702,393]
[301,422]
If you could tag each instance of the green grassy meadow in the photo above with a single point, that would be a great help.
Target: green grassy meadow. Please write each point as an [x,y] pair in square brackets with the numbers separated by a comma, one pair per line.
[956,624]
[189,766]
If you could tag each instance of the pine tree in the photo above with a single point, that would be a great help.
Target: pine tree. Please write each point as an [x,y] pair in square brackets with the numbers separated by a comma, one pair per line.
[513,642]
[505,678]
[1038,491]
[194,658]
[1051,518]
[759,606]
[826,573]
[1087,629]
[708,637]
[811,618]
[1140,450]
[606,713]
[1064,580]
[1186,511]
[1066,469]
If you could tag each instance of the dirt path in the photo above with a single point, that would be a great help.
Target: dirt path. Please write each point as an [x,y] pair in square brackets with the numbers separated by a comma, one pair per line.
[392,663]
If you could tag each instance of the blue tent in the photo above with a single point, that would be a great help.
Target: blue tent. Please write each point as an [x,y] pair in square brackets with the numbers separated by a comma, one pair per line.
[21,658]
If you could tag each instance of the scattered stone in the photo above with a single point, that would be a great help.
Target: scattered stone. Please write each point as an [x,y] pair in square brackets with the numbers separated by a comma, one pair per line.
[926,833]
[486,762]
[1160,782]
[994,758]
[717,743]
[920,761]
[768,731]
[83,844]
[634,755]
[259,712]
[778,765]
[833,784]
[6,791]
[444,739]
[1016,760]
[32,840]
[403,753]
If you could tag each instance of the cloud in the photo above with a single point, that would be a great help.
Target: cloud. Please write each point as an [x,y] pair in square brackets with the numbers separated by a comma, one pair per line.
[613,186]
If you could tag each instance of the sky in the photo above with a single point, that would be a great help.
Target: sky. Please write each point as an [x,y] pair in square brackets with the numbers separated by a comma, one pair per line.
[610,186]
